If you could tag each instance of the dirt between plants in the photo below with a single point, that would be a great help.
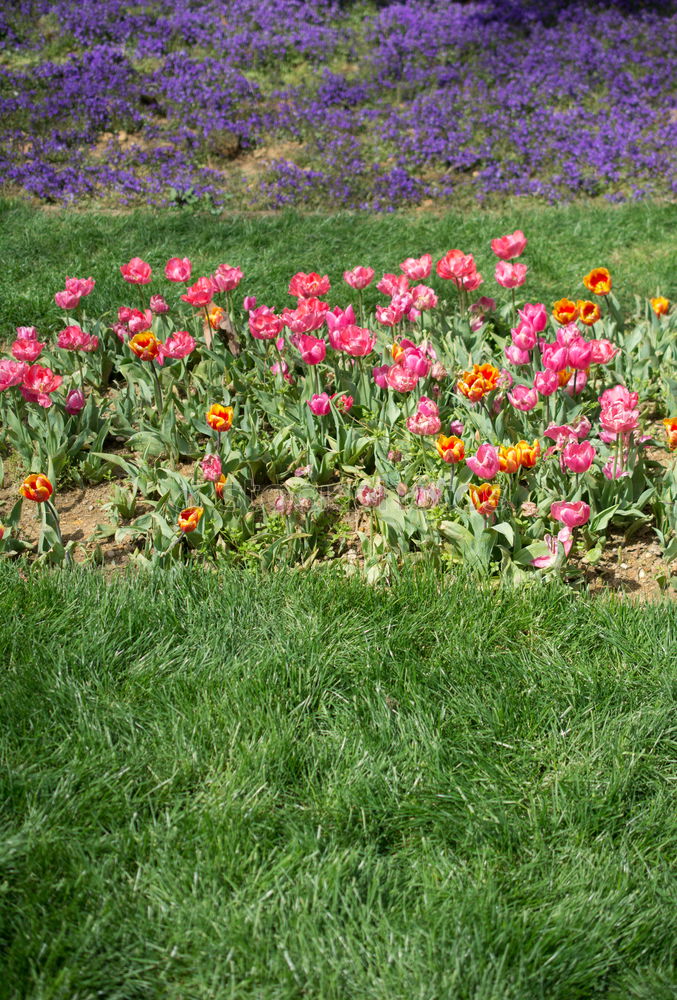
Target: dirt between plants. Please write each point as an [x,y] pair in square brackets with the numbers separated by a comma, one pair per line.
[634,568]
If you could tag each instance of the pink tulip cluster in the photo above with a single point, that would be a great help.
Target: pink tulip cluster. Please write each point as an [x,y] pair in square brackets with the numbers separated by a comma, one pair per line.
[76,289]
[413,363]
[73,338]
[460,269]
[426,420]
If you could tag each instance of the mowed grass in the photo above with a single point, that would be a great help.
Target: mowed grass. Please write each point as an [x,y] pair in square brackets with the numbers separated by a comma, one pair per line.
[39,248]
[296,786]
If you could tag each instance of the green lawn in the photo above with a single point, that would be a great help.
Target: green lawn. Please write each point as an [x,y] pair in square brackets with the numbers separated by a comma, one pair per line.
[295,786]
[38,248]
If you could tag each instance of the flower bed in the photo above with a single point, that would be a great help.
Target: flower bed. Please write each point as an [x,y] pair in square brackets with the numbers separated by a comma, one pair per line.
[240,103]
[498,433]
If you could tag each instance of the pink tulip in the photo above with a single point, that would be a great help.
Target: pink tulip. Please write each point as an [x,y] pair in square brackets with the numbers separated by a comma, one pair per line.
[456,265]
[39,381]
[393,284]
[26,333]
[179,345]
[560,433]
[564,538]
[417,268]
[401,379]
[81,286]
[578,457]
[264,324]
[338,319]
[139,321]
[483,305]
[343,403]
[535,315]
[356,341]
[309,315]
[618,419]
[137,272]
[319,405]
[615,468]
[424,298]
[619,392]
[570,514]
[603,351]
[581,427]
[484,463]
[515,356]
[428,496]
[200,294]
[282,368]
[359,277]
[226,278]
[380,373]
[576,384]
[67,300]
[311,349]
[158,305]
[580,353]
[470,282]
[249,303]
[27,350]
[424,424]
[438,372]
[414,360]
[178,269]
[75,401]
[211,468]
[510,275]
[306,286]
[370,496]
[546,382]
[524,336]
[389,315]
[11,373]
[457,427]
[508,247]
[554,357]
[75,339]
[523,398]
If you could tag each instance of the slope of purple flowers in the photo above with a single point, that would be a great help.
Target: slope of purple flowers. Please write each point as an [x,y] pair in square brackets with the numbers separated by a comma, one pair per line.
[278,102]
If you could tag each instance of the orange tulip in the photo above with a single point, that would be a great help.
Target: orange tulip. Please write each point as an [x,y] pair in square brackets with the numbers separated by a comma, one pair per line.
[396,352]
[485,498]
[190,518]
[450,449]
[218,486]
[145,345]
[2,532]
[588,312]
[660,305]
[508,459]
[564,376]
[671,432]
[477,383]
[220,418]
[528,454]
[598,281]
[215,314]
[36,487]
[565,311]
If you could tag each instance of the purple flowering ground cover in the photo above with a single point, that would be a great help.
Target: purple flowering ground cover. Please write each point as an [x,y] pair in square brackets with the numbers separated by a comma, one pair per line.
[266,103]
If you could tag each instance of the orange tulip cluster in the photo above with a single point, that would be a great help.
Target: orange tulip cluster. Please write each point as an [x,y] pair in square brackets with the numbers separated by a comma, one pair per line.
[476,383]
